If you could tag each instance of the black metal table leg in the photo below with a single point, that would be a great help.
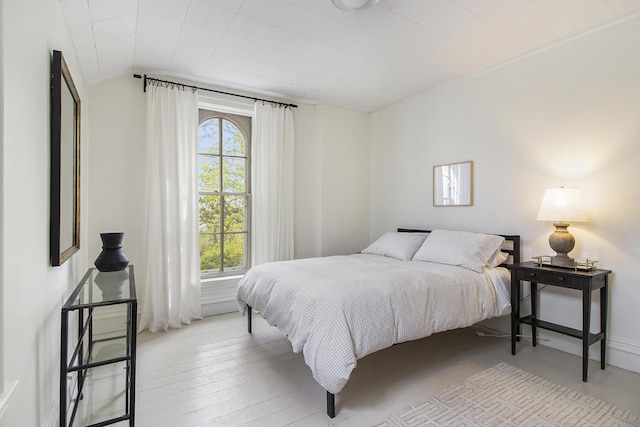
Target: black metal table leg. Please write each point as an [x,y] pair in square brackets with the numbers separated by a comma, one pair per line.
[331,405]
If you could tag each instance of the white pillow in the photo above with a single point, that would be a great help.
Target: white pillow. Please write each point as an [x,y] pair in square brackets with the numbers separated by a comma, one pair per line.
[497,258]
[468,250]
[401,246]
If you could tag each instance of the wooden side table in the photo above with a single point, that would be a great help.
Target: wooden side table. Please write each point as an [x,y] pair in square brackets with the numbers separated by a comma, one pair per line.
[585,281]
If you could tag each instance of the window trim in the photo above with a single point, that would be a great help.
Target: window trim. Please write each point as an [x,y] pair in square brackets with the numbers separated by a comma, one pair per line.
[243,123]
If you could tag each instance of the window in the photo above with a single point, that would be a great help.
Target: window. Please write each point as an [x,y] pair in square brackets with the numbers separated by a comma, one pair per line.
[223,193]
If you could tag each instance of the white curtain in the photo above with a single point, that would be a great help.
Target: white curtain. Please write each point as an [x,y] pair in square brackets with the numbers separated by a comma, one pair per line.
[272,184]
[172,275]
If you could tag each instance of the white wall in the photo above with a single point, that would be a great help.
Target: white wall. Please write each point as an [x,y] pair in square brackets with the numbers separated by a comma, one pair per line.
[568,115]
[117,167]
[344,154]
[331,170]
[331,188]
[33,291]
[307,201]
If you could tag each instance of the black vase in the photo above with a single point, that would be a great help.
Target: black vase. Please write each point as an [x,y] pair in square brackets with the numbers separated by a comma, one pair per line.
[112,258]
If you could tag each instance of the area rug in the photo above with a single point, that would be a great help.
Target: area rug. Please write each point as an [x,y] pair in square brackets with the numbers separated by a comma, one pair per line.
[508,396]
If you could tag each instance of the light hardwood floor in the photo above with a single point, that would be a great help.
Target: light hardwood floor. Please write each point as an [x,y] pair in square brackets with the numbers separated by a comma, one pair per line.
[213,373]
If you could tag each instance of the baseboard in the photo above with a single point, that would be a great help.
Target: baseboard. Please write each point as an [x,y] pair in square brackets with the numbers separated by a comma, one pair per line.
[219,296]
[621,353]
[110,321]
[624,354]
[220,307]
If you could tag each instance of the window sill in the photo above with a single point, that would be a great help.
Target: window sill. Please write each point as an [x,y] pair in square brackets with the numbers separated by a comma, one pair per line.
[9,388]
[221,279]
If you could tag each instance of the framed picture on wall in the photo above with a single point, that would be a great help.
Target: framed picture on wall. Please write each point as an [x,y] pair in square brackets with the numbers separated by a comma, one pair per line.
[453,184]
[65,163]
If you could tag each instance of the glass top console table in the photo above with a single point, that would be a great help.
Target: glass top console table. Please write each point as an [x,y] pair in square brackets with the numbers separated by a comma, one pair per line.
[98,368]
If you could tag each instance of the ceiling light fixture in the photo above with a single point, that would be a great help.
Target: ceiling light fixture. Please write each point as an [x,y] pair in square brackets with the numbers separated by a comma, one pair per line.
[350,5]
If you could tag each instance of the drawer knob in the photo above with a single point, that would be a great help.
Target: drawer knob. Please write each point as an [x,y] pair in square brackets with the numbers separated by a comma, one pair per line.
[561,279]
[532,274]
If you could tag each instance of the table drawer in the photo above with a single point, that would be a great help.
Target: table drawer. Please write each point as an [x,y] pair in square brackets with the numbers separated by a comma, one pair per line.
[545,277]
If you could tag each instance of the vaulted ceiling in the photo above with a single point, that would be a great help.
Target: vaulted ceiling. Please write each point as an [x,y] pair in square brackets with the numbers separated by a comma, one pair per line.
[310,51]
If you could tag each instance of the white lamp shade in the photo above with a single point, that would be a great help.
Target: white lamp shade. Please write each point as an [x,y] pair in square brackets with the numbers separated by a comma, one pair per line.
[562,205]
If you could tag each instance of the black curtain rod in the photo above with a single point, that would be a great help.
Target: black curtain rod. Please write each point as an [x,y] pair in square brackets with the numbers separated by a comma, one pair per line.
[138,76]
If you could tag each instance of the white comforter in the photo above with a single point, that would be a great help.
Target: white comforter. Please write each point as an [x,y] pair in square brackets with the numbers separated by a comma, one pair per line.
[339,309]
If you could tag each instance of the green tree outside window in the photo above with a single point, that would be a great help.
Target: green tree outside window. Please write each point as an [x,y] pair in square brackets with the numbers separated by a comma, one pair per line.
[223,164]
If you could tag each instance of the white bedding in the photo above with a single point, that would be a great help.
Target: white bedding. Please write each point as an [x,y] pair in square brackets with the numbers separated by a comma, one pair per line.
[339,309]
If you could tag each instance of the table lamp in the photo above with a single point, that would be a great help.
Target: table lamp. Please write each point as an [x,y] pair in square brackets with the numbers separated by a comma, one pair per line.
[561,206]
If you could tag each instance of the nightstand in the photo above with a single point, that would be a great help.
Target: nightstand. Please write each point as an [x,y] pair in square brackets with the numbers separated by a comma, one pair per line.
[585,281]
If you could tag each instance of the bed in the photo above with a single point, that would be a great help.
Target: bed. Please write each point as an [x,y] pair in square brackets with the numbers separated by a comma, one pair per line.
[405,286]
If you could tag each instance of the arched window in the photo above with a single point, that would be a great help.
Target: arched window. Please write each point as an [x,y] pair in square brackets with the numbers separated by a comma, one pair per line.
[224,190]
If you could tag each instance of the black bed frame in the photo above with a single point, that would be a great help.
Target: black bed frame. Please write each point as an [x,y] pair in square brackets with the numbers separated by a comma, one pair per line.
[512,249]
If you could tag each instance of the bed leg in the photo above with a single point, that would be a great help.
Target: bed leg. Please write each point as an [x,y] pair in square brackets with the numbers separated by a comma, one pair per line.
[249,310]
[331,405]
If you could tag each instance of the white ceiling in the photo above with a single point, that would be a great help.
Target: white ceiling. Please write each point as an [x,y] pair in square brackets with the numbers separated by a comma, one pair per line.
[309,51]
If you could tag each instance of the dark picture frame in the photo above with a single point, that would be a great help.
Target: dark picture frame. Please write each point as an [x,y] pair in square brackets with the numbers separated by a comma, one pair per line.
[65,163]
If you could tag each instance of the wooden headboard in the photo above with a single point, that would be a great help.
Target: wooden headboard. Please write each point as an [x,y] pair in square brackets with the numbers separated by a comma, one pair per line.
[511,244]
